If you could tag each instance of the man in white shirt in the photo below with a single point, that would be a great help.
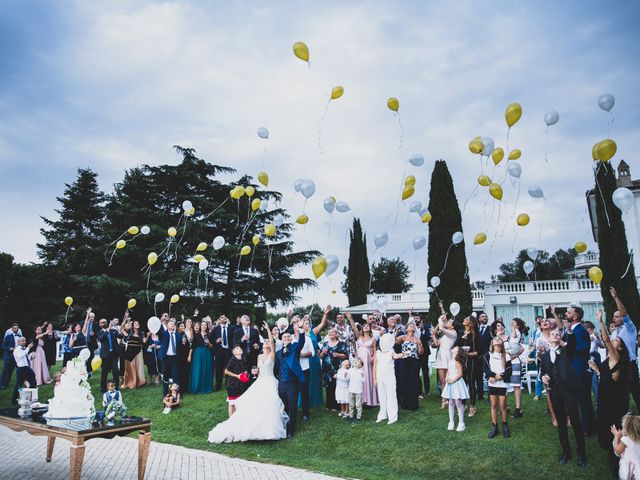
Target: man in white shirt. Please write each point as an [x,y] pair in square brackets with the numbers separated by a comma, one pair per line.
[23,370]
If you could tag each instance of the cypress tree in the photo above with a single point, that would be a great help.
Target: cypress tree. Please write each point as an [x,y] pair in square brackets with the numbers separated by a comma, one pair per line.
[356,284]
[614,251]
[446,220]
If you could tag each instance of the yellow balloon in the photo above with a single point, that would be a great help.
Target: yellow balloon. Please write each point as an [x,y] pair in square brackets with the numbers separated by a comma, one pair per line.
[407,192]
[198,258]
[96,363]
[302,219]
[152,258]
[495,190]
[512,114]
[409,181]
[319,265]
[393,104]
[301,51]
[337,92]
[497,155]
[480,238]
[175,298]
[255,240]
[484,180]
[263,178]
[580,247]
[269,229]
[202,246]
[133,230]
[250,191]
[523,219]
[237,192]
[475,145]
[132,303]
[606,150]
[515,154]
[68,301]
[246,250]
[121,244]
[190,212]
[595,274]
[172,232]
[255,204]
[426,218]
[594,151]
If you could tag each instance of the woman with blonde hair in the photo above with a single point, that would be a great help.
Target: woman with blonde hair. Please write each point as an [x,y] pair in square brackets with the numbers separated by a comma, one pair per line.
[497,370]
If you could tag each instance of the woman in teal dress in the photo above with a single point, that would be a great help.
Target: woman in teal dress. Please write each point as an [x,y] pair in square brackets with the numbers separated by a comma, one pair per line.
[201,362]
[315,365]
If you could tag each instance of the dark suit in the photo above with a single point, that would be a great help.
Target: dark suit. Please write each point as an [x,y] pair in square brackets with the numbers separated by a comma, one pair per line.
[564,388]
[291,377]
[220,353]
[170,365]
[249,354]
[580,365]
[425,338]
[109,356]
[484,342]
[8,344]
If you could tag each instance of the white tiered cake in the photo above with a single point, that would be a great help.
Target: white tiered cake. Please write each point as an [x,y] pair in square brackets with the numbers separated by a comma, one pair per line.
[72,398]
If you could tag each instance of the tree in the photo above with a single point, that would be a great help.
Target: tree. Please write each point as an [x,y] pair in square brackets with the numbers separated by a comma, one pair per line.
[615,260]
[446,260]
[546,267]
[356,283]
[390,276]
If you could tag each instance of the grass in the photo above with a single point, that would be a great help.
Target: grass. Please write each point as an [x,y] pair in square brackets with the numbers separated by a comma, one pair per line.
[416,447]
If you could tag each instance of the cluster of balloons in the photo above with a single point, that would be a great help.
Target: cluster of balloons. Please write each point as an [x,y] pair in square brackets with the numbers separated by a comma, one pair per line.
[326,265]
[238,191]
[306,187]
[409,187]
[330,204]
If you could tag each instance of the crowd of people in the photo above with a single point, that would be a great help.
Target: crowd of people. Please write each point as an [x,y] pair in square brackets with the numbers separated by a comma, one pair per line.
[378,362]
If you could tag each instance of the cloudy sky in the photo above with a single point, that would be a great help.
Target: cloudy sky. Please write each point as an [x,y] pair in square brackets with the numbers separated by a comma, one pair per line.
[112,85]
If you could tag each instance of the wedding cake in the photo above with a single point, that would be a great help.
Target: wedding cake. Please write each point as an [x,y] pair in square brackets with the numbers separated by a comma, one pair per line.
[72,397]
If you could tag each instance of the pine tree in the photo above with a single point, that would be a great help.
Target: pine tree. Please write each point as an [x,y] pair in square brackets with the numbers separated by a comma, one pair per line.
[446,220]
[356,284]
[390,276]
[614,251]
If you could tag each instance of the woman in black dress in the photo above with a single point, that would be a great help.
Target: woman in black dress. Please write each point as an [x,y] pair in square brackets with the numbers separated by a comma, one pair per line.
[332,354]
[50,340]
[77,341]
[409,368]
[185,355]
[469,342]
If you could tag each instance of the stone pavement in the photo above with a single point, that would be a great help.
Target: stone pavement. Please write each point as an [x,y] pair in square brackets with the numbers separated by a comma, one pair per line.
[23,456]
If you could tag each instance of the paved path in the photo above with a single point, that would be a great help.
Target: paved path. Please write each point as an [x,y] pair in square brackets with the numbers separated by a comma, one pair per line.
[23,456]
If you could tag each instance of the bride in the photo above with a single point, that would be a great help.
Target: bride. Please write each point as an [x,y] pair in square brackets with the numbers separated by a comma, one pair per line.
[259,412]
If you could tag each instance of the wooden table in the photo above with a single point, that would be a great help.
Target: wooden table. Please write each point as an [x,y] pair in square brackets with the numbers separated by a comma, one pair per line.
[36,425]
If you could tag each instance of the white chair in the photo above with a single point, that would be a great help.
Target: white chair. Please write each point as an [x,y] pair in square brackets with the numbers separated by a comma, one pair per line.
[531,376]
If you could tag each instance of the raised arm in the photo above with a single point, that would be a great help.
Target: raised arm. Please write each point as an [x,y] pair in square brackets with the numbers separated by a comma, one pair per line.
[613,353]
[356,332]
[323,322]
[619,305]
[86,322]
[273,342]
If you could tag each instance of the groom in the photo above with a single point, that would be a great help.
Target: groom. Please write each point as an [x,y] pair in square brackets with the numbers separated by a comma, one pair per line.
[291,375]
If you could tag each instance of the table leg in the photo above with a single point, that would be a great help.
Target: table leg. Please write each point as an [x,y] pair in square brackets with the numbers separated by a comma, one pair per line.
[51,441]
[76,458]
[144,439]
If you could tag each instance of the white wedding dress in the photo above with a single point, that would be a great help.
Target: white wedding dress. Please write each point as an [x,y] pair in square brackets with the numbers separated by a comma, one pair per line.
[259,412]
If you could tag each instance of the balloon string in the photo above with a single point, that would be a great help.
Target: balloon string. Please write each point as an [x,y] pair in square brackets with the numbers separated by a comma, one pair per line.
[401,129]
[610,123]
[107,249]
[324,114]
[469,198]
[446,258]
[546,144]
[147,288]
[304,231]
[317,72]
[544,214]
[515,205]
[508,132]
[155,310]
[628,265]
[218,207]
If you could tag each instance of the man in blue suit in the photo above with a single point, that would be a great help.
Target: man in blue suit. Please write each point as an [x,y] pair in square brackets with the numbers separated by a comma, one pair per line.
[108,338]
[170,344]
[580,364]
[291,375]
[9,343]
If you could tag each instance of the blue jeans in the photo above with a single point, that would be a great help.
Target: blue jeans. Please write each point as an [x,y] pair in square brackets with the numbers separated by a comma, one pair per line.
[538,386]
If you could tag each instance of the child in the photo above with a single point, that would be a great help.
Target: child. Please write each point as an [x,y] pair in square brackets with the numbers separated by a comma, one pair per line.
[497,370]
[356,377]
[626,445]
[342,388]
[111,395]
[172,400]
[384,379]
[455,390]
[237,377]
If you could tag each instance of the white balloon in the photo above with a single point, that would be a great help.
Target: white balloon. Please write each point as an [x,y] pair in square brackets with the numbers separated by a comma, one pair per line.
[263,132]
[342,207]
[527,267]
[282,323]
[153,325]
[218,242]
[457,238]
[488,146]
[606,102]
[387,341]
[278,220]
[419,241]
[423,211]
[429,290]
[329,204]
[623,199]
[264,206]
[515,170]
[415,206]
[454,308]
[297,184]
[435,282]
[535,191]
[474,314]
[551,118]
[84,354]
[532,253]
[416,160]
[187,205]
[203,264]
[332,264]
[159,297]
[145,230]
[380,239]
[308,188]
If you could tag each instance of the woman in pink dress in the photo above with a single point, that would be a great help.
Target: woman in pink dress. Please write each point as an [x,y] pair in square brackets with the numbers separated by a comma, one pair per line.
[38,360]
[366,351]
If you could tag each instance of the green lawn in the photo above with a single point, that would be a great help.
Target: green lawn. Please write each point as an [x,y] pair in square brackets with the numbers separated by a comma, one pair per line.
[416,447]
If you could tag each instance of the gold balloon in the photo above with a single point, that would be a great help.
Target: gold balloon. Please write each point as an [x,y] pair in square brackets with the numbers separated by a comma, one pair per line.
[68,301]
[495,190]
[319,265]
[606,150]
[246,250]
[250,191]
[302,219]
[393,104]
[175,298]
[301,51]
[269,229]
[263,178]
[407,192]
[512,114]
[198,258]
[484,180]
[133,230]
[202,246]
[255,204]
[497,155]
[131,303]
[594,151]
[96,363]
[475,145]
[237,192]
[595,274]
[255,240]
[523,219]
[121,244]
[152,258]
[580,247]
[337,92]
[172,232]
[426,218]
[190,212]
[515,154]
[480,238]
[409,181]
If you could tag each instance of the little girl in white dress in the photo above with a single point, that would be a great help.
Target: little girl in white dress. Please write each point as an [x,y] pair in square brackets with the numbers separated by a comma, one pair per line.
[342,388]
[456,389]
